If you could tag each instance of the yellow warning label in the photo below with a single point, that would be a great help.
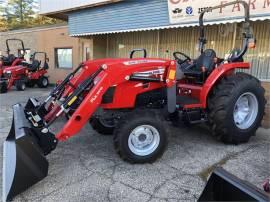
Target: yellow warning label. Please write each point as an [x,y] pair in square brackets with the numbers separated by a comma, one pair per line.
[172,74]
[72,100]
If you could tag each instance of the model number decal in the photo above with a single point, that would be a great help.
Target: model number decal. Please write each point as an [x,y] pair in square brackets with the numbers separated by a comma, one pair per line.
[135,62]
[96,95]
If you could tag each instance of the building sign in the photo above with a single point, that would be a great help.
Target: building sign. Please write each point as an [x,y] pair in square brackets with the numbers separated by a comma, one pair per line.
[188,11]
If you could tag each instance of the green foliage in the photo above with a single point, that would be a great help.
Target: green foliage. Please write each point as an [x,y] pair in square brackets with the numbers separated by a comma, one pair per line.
[19,14]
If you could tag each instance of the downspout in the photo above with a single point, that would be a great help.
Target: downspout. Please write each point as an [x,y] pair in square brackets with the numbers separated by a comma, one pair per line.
[107,46]
[234,35]
[158,41]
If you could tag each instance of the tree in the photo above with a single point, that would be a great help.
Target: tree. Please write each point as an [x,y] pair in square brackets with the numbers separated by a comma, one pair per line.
[40,20]
[19,14]
[3,25]
[3,22]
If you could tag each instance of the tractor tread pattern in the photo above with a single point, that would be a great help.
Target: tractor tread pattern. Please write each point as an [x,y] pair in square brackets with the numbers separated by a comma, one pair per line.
[220,99]
[125,121]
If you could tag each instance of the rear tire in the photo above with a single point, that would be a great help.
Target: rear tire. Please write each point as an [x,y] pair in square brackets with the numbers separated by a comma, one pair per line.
[236,108]
[43,82]
[140,136]
[20,85]
[3,87]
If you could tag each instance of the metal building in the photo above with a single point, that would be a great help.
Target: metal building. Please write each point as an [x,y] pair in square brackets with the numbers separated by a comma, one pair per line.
[114,27]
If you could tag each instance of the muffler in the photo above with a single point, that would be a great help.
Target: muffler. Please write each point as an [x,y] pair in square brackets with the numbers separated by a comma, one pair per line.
[223,186]
[24,162]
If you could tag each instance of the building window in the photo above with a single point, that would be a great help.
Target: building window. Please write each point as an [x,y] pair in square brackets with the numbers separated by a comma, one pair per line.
[63,58]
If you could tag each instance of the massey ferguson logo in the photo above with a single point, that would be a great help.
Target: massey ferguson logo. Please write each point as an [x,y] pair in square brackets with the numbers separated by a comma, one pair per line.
[177,10]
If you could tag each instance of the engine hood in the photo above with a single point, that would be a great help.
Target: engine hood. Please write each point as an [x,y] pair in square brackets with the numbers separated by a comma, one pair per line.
[14,69]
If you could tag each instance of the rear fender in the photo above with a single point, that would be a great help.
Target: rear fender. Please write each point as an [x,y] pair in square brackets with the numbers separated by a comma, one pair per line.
[216,75]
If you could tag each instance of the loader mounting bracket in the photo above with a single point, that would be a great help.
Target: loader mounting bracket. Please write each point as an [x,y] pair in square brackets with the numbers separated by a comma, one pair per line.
[46,141]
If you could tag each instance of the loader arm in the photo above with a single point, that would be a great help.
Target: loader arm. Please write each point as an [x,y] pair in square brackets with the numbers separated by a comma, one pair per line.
[89,105]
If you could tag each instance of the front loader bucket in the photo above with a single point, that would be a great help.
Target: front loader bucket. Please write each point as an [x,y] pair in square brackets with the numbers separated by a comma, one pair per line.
[24,163]
[223,186]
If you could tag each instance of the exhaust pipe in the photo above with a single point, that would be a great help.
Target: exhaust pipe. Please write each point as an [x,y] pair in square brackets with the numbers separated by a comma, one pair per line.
[24,161]
[223,186]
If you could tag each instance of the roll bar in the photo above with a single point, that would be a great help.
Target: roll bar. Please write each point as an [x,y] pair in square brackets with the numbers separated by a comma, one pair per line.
[247,32]
[7,44]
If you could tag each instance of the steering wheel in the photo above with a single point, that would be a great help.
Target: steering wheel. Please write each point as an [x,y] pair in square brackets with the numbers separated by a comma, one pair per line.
[180,61]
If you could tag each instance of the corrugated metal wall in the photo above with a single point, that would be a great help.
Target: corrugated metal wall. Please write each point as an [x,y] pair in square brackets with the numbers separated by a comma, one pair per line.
[260,56]
[222,38]
[131,14]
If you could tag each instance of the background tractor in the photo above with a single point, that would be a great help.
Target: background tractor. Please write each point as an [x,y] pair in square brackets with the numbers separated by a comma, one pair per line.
[130,97]
[26,74]
[11,59]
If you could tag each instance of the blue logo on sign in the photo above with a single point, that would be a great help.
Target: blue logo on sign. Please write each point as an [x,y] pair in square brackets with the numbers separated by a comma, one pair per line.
[189,10]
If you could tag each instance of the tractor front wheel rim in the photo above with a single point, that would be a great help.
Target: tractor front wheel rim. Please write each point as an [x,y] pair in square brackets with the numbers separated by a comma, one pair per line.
[44,82]
[245,110]
[143,140]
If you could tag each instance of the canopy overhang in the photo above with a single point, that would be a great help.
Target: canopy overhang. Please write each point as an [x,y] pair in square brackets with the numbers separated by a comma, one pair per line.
[132,16]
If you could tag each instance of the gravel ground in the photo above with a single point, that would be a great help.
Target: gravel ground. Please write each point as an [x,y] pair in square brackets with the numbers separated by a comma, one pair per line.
[86,167]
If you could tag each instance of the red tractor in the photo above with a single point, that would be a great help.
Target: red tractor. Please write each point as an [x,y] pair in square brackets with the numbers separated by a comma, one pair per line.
[132,98]
[11,60]
[25,74]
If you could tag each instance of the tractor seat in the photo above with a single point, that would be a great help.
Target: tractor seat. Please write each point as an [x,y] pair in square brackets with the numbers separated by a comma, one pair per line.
[34,66]
[202,66]
[7,61]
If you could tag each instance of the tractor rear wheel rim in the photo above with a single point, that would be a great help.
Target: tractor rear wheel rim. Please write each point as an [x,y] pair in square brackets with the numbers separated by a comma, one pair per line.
[246,110]
[144,140]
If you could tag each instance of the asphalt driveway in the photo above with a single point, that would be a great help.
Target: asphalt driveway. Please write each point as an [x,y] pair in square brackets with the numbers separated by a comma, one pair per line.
[86,167]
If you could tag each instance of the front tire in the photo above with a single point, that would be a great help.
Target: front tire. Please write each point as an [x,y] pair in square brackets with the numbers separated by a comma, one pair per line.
[236,108]
[103,126]
[43,82]
[3,87]
[20,85]
[140,137]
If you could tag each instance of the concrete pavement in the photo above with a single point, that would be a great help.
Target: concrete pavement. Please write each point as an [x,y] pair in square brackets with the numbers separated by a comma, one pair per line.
[86,167]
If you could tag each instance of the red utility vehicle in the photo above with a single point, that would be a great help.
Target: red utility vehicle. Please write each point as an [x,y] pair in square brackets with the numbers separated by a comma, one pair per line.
[25,74]
[132,98]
